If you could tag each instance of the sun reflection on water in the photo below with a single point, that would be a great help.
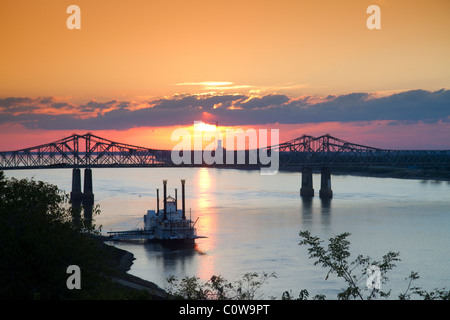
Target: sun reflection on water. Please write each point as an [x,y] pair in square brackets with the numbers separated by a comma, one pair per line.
[207,223]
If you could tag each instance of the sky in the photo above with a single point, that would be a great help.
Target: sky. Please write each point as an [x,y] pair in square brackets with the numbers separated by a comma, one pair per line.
[137,70]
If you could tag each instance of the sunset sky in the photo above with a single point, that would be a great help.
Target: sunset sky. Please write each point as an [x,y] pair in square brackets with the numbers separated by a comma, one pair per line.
[139,69]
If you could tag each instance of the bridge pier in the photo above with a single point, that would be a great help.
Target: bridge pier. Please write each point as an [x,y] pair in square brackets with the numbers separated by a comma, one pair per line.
[76,195]
[325,184]
[307,183]
[88,196]
[77,198]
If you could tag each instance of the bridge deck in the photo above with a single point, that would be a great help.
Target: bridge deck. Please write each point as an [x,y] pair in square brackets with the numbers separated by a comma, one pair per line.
[92,151]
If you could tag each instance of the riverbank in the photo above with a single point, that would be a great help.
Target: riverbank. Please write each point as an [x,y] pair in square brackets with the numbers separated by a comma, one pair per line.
[386,172]
[399,173]
[121,261]
[372,171]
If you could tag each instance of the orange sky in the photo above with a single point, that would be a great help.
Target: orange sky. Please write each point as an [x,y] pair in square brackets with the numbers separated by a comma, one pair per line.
[143,48]
[140,49]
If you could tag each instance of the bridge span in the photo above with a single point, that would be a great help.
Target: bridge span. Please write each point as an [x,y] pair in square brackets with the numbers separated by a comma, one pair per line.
[306,153]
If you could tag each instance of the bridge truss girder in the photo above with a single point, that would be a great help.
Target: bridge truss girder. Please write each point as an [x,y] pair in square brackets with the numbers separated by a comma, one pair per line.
[333,152]
[91,151]
[72,152]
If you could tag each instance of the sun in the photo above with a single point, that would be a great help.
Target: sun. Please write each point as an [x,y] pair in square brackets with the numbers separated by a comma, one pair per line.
[204,127]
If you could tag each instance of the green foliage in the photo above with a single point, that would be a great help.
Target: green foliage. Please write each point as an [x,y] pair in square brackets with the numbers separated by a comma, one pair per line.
[217,288]
[38,241]
[303,295]
[436,294]
[335,259]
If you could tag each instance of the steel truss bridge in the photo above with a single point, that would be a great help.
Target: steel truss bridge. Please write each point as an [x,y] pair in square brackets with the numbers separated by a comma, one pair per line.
[83,151]
[333,152]
[91,151]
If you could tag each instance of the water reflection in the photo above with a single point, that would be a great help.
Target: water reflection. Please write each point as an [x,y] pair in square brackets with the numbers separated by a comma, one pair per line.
[309,210]
[164,261]
[203,183]
[326,211]
[326,205]
[307,205]
[171,260]
[207,223]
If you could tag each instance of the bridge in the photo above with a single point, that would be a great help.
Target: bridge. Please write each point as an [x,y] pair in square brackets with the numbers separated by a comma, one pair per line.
[333,152]
[91,151]
[308,152]
[328,152]
[83,151]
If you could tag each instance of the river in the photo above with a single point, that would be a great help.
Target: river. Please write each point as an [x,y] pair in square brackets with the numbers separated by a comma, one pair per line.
[252,224]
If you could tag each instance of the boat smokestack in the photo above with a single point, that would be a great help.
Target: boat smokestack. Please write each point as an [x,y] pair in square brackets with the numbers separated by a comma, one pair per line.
[176,200]
[182,198]
[157,201]
[165,199]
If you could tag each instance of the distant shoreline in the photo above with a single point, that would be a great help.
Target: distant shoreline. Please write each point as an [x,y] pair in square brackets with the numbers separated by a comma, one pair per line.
[380,172]
[398,173]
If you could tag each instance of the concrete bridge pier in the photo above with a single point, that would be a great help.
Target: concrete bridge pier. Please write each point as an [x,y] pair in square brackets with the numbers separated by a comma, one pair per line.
[307,183]
[76,195]
[88,196]
[325,184]
[78,198]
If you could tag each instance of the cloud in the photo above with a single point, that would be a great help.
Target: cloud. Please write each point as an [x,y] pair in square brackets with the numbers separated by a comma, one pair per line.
[13,101]
[265,102]
[216,85]
[195,102]
[206,83]
[228,109]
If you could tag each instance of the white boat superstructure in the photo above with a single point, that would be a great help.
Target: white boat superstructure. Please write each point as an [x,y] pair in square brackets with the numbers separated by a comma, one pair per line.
[167,224]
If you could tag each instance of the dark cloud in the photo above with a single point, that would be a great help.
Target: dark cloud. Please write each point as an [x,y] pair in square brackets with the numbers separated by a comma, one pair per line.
[95,106]
[233,110]
[47,100]
[16,105]
[415,105]
[13,101]
[265,101]
[196,102]
[62,105]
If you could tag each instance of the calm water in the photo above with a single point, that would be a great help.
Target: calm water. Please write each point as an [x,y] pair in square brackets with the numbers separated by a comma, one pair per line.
[252,223]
